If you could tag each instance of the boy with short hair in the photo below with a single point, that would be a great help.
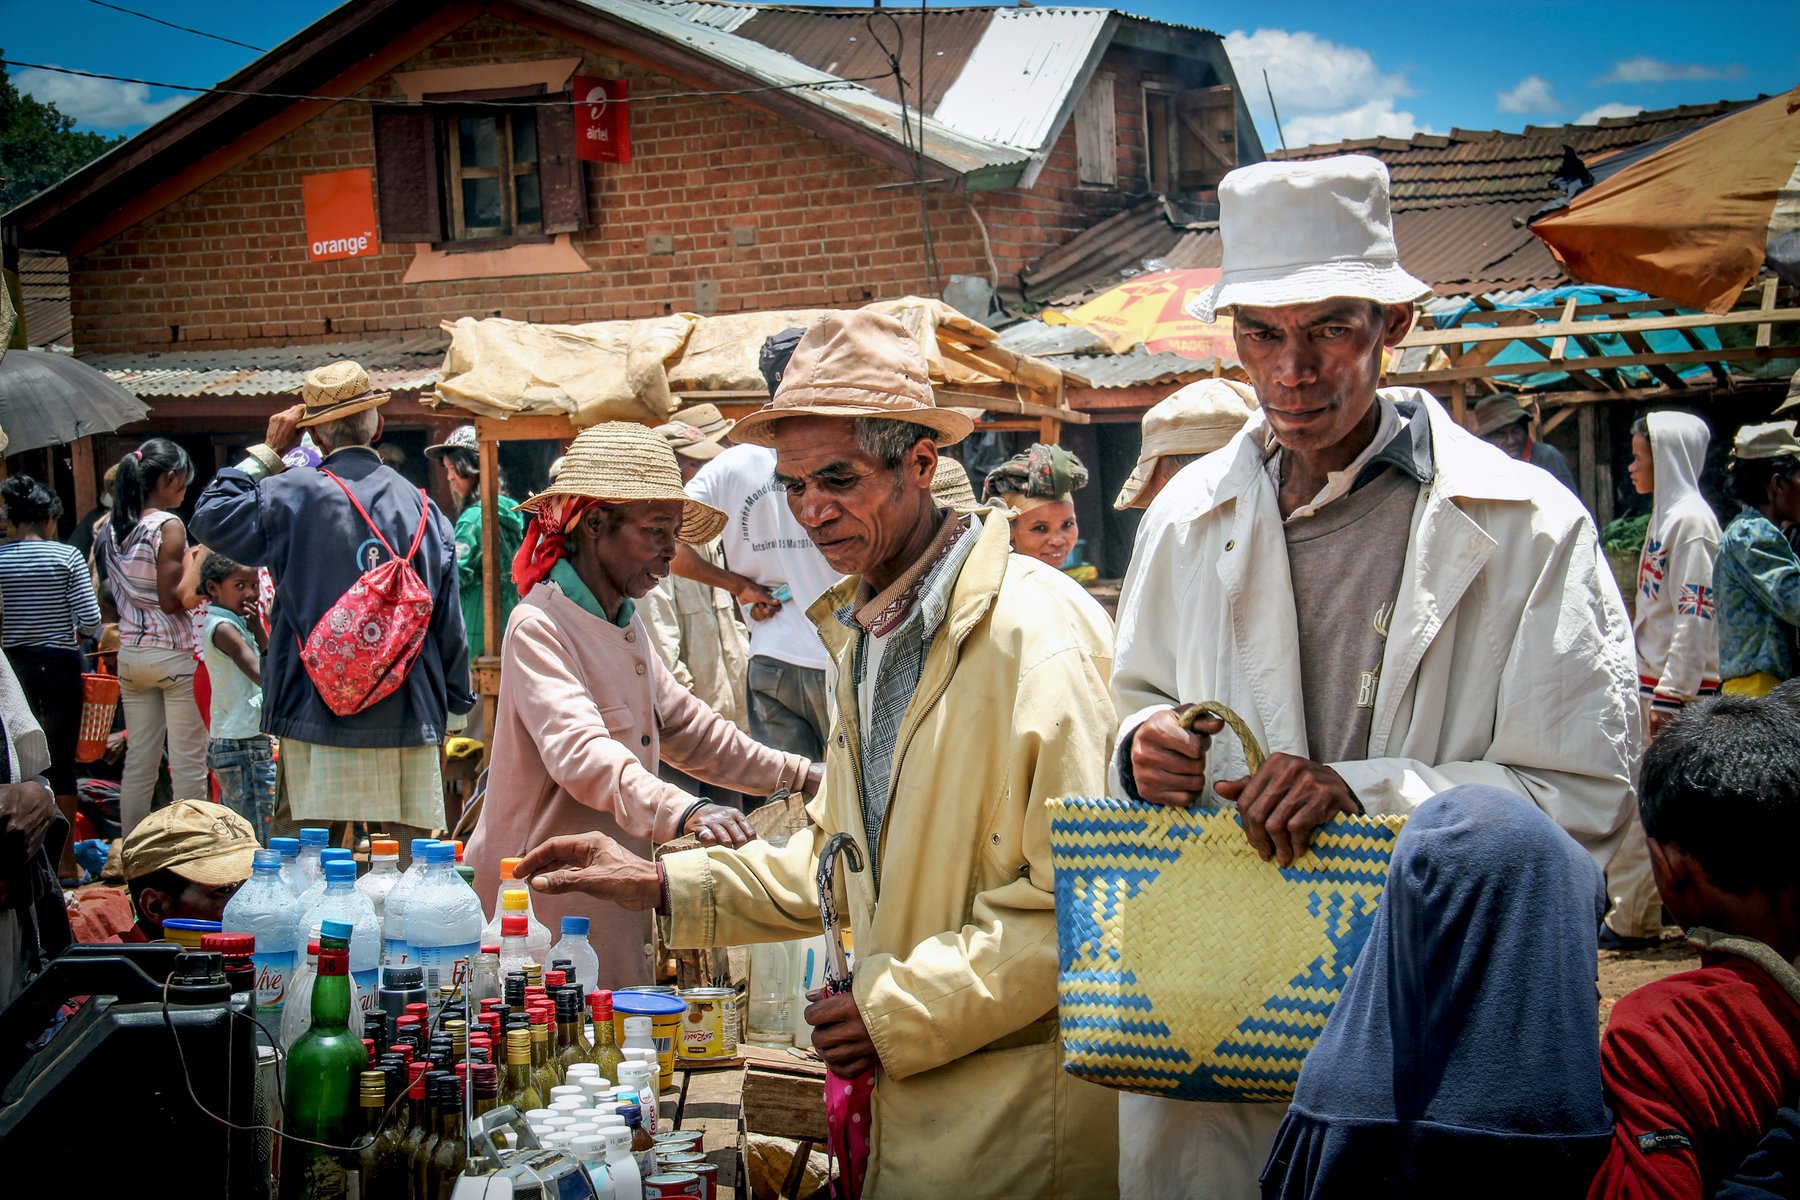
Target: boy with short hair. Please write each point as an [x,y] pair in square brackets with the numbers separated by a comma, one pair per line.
[1697,1065]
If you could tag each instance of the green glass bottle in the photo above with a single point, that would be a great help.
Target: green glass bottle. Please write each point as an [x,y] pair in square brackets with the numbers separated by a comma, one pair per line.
[573,1046]
[451,1154]
[372,1094]
[521,1089]
[606,1044]
[321,1086]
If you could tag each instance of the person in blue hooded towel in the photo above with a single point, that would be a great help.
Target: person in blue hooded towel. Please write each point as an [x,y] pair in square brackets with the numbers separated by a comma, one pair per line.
[1464,1056]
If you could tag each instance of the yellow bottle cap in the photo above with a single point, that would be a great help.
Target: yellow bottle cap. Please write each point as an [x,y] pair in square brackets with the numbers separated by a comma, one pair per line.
[514,900]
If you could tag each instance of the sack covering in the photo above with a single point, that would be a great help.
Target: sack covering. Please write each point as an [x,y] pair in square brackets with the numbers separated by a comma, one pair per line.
[1189,967]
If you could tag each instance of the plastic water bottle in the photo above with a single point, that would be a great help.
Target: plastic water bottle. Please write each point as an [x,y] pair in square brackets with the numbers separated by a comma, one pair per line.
[575,947]
[312,841]
[540,937]
[340,901]
[316,888]
[513,954]
[289,849]
[384,873]
[265,908]
[443,920]
[393,917]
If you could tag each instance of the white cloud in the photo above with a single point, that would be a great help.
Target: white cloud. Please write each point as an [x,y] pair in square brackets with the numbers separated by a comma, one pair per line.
[1644,69]
[1531,94]
[1377,118]
[98,103]
[1326,91]
[1608,110]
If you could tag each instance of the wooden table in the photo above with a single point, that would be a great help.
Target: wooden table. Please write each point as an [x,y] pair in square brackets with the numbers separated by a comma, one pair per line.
[773,1092]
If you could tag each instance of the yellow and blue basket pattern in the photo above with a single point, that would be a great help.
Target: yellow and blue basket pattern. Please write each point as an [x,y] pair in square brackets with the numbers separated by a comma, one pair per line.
[1191,968]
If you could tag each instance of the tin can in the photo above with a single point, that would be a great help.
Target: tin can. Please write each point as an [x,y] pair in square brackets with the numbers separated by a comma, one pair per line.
[685,1139]
[710,1028]
[683,1183]
[709,1179]
[679,1160]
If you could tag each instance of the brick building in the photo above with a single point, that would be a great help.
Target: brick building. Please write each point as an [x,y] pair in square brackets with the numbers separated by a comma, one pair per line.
[772,165]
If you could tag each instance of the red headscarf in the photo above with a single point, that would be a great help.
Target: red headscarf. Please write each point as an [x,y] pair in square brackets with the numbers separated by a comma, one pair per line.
[547,538]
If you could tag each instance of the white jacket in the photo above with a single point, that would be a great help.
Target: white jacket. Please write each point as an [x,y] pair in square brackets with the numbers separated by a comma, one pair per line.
[1677,637]
[1509,662]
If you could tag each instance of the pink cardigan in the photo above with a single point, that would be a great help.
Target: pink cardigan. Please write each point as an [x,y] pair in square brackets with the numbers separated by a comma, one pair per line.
[586,712]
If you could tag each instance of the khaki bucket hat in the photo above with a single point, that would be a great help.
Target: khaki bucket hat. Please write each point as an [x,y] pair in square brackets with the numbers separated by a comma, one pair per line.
[1197,419]
[619,462]
[707,419]
[335,390]
[856,364]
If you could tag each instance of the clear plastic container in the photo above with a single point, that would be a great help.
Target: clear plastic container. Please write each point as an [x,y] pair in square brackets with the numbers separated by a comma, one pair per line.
[266,909]
[580,952]
[316,888]
[312,843]
[296,1014]
[516,897]
[770,1019]
[340,901]
[443,920]
[289,849]
[393,922]
[383,874]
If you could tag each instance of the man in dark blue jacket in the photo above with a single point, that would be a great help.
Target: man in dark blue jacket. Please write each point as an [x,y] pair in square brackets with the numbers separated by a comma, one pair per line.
[380,765]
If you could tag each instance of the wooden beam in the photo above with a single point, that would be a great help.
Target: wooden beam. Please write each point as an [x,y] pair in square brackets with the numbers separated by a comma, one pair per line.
[1641,345]
[1448,375]
[524,429]
[81,469]
[1587,433]
[1463,336]
[1765,332]
[1561,345]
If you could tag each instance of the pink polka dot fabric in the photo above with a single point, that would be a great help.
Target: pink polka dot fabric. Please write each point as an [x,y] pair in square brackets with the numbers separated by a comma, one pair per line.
[847,1116]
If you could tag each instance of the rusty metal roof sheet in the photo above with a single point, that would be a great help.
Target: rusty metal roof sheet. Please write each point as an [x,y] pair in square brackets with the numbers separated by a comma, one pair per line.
[1080,353]
[855,45]
[406,364]
[44,299]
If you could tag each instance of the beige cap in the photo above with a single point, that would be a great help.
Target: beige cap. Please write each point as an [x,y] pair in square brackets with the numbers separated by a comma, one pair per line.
[950,487]
[1198,419]
[691,441]
[1774,439]
[707,419]
[336,390]
[619,461]
[856,364]
[197,839]
[1792,403]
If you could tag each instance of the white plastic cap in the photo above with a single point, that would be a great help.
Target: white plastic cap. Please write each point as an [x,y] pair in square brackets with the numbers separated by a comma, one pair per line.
[580,1070]
[557,1140]
[566,1104]
[560,1120]
[538,1114]
[566,1089]
[637,1025]
[618,1141]
[589,1148]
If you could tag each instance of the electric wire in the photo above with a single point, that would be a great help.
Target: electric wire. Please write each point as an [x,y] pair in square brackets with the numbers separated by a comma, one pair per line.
[184,28]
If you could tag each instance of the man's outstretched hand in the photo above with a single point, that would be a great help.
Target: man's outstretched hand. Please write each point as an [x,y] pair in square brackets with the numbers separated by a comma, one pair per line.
[1285,801]
[594,865]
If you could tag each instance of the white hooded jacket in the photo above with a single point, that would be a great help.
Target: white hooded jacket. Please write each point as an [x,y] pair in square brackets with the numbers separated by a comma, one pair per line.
[1508,663]
[1675,627]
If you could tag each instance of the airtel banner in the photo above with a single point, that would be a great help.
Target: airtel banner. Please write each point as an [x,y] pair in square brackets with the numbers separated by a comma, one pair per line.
[340,215]
[602,120]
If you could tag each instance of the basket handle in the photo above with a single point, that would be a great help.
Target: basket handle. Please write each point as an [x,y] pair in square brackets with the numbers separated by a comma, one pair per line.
[1253,752]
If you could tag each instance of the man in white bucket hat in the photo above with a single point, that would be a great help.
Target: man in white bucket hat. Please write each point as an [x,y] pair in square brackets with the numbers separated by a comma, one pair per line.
[1394,607]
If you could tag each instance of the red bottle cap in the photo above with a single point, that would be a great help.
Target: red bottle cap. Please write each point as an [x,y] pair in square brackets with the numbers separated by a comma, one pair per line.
[406,1022]
[540,1016]
[514,925]
[230,944]
[600,1004]
[312,947]
[369,1045]
[489,1002]
[554,979]
[490,950]
[404,1050]
[422,1011]
[416,1079]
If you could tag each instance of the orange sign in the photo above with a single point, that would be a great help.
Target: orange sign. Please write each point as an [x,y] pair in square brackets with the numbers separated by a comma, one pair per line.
[340,215]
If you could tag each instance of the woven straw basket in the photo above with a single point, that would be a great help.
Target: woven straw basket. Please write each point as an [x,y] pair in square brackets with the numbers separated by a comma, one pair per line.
[1191,968]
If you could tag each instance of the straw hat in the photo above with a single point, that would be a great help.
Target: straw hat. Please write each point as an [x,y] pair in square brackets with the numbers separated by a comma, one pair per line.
[1302,232]
[707,419]
[335,390]
[1197,419]
[619,462]
[690,441]
[856,364]
[950,487]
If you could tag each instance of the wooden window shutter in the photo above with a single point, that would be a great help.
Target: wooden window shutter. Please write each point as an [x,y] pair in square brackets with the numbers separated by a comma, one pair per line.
[560,175]
[1206,137]
[1096,134]
[409,197]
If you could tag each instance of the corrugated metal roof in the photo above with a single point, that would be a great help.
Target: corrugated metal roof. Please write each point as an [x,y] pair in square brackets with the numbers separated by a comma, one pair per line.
[1073,349]
[1040,338]
[711,12]
[44,299]
[942,144]
[397,365]
[1024,74]
[850,45]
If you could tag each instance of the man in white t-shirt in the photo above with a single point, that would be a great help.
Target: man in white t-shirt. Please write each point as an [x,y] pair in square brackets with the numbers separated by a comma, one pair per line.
[766,551]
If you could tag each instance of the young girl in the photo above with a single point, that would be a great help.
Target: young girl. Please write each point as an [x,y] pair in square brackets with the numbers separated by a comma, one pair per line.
[240,754]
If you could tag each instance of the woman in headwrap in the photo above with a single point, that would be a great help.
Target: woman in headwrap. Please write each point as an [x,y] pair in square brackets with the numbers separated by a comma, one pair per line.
[587,709]
[1464,1056]
[1037,489]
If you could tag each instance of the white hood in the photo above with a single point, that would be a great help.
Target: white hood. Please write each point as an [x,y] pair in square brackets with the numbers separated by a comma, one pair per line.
[1677,635]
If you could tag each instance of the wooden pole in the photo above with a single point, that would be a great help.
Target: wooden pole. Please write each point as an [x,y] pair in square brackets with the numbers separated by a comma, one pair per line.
[1587,423]
[1459,402]
[81,468]
[492,630]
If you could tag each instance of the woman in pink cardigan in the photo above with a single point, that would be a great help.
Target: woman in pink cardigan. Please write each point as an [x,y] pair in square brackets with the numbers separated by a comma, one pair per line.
[587,709]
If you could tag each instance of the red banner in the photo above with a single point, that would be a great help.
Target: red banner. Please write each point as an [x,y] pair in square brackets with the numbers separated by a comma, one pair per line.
[602,120]
[340,215]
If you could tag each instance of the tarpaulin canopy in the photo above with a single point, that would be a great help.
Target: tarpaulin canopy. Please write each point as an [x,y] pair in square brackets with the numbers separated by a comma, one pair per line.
[1692,218]
[1152,311]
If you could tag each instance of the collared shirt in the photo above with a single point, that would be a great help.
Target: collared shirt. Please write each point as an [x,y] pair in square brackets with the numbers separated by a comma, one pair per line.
[1401,440]
[888,665]
[563,576]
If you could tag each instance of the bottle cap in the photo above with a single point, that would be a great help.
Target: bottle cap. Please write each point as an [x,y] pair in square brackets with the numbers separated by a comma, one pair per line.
[489,1003]
[384,848]
[637,1025]
[457,843]
[508,866]
[312,947]
[490,950]
[418,1009]
[402,979]
[287,847]
[554,979]
[589,1147]
[514,925]
[420,845]
[515,899]
[565,965]
[336,854]
[487,1081]
[600,1004]
[231,945]
[338,870]
[518,1046]
[313,836]
[265,860]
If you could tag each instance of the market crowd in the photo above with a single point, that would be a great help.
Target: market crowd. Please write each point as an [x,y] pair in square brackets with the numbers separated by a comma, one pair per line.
[1414,617]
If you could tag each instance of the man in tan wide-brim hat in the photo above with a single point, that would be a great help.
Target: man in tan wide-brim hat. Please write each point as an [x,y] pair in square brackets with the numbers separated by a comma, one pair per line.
[588,711]
[971,688]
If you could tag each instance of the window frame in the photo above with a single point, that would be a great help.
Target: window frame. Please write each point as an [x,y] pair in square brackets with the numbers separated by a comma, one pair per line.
[458,232]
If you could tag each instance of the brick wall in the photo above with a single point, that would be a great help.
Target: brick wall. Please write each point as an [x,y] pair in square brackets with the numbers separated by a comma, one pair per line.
[225,266]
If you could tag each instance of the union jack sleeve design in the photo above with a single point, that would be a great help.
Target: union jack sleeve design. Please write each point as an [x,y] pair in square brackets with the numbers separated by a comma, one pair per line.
[1695,600]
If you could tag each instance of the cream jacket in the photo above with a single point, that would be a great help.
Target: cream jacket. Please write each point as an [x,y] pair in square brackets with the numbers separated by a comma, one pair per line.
[956,962]
[1509,662]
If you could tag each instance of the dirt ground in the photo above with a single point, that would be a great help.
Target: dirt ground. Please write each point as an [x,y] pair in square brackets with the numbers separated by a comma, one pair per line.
[1621,971]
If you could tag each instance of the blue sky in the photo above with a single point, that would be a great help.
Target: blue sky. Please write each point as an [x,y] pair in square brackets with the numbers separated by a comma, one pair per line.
[1337,71]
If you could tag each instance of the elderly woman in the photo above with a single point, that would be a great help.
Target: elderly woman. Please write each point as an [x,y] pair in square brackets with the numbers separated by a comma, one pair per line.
[1037,489]
[587,709]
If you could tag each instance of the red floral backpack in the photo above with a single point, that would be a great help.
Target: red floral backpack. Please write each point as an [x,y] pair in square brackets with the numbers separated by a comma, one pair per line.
[364,645]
